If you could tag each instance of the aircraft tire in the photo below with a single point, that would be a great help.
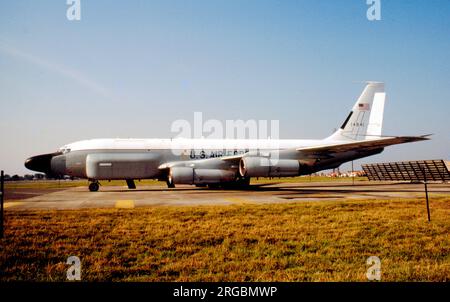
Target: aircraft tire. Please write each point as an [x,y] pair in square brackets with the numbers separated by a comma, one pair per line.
[94,186]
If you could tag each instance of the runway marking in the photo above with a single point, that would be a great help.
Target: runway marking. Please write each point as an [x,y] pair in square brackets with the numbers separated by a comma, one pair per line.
[238,200]
[11,204]
[125,204]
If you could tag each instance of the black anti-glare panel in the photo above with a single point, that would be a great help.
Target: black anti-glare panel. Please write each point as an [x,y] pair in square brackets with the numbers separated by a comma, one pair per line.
[415,171]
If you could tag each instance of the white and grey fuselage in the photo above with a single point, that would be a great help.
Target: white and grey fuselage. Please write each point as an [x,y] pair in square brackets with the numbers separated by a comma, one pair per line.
[150,158]
[215,161]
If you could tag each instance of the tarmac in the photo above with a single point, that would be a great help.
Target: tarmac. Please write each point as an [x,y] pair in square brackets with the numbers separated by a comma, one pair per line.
[184,195]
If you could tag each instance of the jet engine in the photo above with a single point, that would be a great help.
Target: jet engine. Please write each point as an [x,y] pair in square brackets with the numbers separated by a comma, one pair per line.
[186,175]
[266,167]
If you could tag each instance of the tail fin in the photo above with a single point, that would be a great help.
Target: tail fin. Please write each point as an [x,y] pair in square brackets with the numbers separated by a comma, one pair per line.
[366,117]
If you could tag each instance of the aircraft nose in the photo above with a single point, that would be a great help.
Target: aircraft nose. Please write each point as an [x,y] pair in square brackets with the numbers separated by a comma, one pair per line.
[41,163]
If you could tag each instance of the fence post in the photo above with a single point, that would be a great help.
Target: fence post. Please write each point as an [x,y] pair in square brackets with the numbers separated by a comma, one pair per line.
[2,193]
[428,204]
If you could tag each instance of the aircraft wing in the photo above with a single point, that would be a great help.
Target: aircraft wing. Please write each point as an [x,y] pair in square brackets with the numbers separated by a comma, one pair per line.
[362,145]
[320,151]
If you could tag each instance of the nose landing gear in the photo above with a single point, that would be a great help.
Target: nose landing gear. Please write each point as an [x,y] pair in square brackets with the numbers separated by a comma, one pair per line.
[94,186]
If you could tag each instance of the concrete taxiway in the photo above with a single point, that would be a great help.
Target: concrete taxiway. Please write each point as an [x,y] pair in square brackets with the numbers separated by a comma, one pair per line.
[146,196]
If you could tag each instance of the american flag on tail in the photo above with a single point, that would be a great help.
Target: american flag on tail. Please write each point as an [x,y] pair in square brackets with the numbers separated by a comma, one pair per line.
[364,106]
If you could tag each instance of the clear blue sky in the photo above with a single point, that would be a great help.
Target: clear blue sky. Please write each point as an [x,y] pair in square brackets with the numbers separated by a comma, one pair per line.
[130,68]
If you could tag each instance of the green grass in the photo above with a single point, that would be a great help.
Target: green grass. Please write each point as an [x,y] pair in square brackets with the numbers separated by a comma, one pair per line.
[303,179]
[306,241]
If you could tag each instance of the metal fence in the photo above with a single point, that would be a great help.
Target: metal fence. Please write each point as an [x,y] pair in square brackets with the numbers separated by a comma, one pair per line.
[414,171]
[422,171]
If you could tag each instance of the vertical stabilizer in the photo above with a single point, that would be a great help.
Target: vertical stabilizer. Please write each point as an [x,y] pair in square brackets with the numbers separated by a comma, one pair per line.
[366,117]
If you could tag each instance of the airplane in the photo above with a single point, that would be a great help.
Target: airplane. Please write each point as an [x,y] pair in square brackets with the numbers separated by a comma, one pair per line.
[224,162]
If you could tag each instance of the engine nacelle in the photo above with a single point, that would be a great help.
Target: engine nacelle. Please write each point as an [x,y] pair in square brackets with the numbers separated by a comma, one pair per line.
[191,176]
[265,167]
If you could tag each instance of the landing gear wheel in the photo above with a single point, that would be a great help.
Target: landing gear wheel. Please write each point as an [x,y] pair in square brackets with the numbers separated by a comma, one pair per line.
[201,185]
[214,186]
[243,182]
[94,186]
[169,182]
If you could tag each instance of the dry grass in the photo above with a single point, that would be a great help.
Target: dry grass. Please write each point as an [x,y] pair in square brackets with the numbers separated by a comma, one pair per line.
[308,241]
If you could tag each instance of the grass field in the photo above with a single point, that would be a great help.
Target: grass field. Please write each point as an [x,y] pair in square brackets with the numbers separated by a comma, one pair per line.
[55,184]
[306,241]
[303,179]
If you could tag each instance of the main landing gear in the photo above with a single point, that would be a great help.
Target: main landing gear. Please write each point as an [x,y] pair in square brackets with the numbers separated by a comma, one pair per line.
[94,186]
[169,181]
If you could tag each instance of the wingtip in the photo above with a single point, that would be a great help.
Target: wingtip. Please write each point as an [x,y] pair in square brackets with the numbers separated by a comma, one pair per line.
[427,135]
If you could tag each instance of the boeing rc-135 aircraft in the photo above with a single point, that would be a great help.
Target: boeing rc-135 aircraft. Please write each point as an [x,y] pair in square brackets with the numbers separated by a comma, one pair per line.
[227,162]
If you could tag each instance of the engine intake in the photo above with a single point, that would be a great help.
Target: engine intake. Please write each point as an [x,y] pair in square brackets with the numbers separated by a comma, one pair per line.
[265,167]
